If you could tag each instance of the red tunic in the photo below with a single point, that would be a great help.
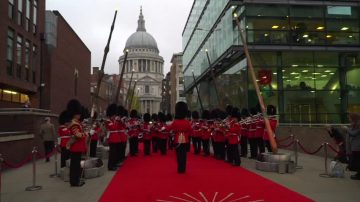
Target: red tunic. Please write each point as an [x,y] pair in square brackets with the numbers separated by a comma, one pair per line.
[182,130]
[273,125]
[162,134]
[133,127]
[207,130]
[64,134]
[233,133]
[252,129]
[113,135]
[196,126]
[79,135]
[260,126]
[97,131]
[218,133]
[146,130]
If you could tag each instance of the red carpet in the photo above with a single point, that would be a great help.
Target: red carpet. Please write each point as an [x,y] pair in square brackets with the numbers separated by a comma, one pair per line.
[154,178]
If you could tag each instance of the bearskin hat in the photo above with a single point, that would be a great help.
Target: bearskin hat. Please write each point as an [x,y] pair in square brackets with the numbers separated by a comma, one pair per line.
[161,117]
[74,107]
[228,109]
[154,117]
[195,115]
[223,115]
[147,117]
[271,110]
[245,113]
[125,113]
[120,110]
[169,117]
[235,113]
[181,110]
[205,115]
[111,110]
[214,114]
[64,117]
[133,113]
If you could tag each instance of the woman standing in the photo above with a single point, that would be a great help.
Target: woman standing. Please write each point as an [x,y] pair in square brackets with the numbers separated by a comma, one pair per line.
[77,145]
[354,136]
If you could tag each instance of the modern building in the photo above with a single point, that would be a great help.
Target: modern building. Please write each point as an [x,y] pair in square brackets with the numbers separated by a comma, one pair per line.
[67,62]
[21,36]
[177,81]
[107,91]
[305,54]
[144,69]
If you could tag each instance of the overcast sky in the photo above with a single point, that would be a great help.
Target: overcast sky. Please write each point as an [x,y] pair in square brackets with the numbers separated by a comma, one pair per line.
[91,20]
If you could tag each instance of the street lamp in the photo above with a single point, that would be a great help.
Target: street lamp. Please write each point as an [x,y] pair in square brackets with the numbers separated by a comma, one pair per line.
[213,76]
[197,91]
[127,94]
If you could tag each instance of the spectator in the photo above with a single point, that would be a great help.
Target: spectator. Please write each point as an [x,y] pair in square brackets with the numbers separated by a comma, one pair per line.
[47,135]
[339,141]
[354,136]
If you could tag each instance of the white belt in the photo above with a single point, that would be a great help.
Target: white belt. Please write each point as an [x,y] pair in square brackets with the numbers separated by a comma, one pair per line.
[114,131]
[63,137]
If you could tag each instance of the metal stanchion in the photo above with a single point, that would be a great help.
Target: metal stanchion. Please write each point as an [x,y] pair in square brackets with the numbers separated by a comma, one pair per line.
[34,187]
[1,162]
[296,154]
[55,174]
[326,174]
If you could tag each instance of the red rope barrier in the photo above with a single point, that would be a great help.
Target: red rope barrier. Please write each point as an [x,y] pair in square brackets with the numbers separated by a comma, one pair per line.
[11,165]
[283,140]
[286,146]
[333,149]
[311,153]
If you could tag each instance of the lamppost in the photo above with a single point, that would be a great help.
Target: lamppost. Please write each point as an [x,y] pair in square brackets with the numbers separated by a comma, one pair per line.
[128,91]
[197,91]
[213,78]
[121,77]
[132,95]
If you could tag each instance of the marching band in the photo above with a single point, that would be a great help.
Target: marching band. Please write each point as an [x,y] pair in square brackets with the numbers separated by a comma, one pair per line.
[226,134]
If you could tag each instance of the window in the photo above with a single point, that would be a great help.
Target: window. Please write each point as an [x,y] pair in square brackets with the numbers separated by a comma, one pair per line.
[19,56]
[147,89]
[306,11]
[27,60]
[20,12]
[27,21]
[13,96]
[10,52]
[11,9]
[33,66]
[35,9]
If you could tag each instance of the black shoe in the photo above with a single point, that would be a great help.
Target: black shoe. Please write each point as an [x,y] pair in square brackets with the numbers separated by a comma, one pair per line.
[355,177]
[78,185]
[236,164]
[112,169]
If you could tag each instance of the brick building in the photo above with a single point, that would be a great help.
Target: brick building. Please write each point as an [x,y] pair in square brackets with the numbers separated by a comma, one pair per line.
[21,31]
[68,62]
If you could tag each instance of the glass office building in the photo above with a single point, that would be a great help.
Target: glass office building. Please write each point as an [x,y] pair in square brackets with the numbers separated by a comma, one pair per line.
[306,56]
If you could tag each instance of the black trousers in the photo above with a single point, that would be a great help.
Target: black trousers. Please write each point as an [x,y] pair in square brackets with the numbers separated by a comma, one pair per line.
[267,145]
[206,148]
[244,146]
[234,154]
[48,146]
[75,168]
[196,144]
[122,150]
[222,150]
[261,145]
[155,144]
[162,146]
[93,147]
[188,145]
[171,143]
[181,157]
[134,144]
[65,155]
[215,149]
[253,147]
[113,155]
[147,145]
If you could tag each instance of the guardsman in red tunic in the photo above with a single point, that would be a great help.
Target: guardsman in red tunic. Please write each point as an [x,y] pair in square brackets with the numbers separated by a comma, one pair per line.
[252,134]
[146,133]
[218,137]
[244,132]
[64,135]
[162,134]
[181,128]
[154,133]
[260,126]
[78,143]
[233,135]
[133,125]
[206,131]
[271,112]
[197,132]
[95,134]
[121,119]
[113,138]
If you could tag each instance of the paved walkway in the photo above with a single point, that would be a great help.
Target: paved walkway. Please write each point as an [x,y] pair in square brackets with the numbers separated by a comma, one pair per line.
[305,181]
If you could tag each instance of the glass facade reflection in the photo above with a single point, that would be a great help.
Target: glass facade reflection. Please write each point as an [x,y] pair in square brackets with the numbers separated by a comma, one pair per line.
[306,57]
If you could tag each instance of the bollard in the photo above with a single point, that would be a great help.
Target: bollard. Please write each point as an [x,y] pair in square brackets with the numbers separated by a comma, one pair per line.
[296,153]
[34,187]
[326,174]
[55,174]
[1,162]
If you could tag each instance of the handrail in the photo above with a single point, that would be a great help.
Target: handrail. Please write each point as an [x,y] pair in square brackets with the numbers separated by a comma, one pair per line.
[13,133]
[313,124]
